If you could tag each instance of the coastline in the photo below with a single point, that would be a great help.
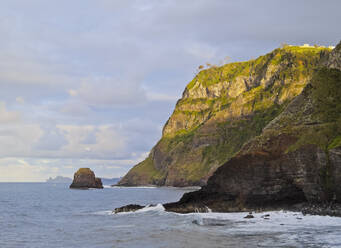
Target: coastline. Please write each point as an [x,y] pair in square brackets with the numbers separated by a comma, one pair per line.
[332,210]
[151,186]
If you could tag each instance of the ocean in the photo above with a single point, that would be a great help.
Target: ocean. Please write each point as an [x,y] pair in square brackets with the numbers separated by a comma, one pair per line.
[51,215]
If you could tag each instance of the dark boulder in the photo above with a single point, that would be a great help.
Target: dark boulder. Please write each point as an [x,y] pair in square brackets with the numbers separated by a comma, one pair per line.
[128,208]
[249,216]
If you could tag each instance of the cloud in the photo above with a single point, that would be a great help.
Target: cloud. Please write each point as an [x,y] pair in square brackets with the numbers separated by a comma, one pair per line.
[52,139]
[8,116]
[152,96]
[92,142]
[203,52]
[75,108]
[18,139]
[109,92]
[20,99]
[18,170]
[106,141]
[38,170]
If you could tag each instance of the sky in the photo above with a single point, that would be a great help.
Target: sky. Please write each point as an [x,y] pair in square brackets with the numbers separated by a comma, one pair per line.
[87,83]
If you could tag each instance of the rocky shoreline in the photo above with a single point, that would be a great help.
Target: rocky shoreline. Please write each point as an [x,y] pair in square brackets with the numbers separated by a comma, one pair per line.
[294,164]
[322,209]
[305,208]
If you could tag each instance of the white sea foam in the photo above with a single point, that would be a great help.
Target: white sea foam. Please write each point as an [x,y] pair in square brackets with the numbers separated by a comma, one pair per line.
[291,226]
[105,212]
[276,220]
[135,187]
[157,208]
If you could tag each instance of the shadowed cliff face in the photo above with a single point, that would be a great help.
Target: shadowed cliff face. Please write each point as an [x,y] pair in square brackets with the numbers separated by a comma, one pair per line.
[222,108]
[297,157]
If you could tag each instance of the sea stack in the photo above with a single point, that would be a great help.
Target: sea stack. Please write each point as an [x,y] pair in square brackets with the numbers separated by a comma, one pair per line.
[85,178]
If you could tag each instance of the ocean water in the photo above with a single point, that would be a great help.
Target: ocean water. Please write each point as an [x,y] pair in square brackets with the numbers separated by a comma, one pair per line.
[51,215]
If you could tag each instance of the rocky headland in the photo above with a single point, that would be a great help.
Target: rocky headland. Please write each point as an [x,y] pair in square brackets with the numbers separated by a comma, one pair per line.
[59,179]
[295,161]
[85,178]
[221,110]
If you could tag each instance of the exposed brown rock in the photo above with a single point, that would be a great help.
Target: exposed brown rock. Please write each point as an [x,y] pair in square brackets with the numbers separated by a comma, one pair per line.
[85,178]
[294,164]
[296,159]
[334,59]
[221,110]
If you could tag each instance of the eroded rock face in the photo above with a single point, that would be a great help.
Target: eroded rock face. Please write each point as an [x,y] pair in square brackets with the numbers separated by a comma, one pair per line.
[222,109]
[263,181]
[334,60]
[296,159]
[85,178]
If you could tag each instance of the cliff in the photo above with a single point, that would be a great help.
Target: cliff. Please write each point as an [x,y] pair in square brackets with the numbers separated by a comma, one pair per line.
[85,178]
[297,157]
[221,109]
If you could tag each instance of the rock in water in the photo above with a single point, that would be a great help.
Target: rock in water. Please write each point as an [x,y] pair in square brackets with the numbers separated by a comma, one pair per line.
[249,216]
[85,178]
[128,208]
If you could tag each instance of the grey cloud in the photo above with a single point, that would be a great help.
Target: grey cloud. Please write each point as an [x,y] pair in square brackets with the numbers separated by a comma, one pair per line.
[52,139]
[7,116]
[110,92]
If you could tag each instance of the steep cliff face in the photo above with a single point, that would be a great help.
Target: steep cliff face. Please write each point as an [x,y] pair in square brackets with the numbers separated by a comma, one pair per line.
[334,59]
[297,158]
[221,109]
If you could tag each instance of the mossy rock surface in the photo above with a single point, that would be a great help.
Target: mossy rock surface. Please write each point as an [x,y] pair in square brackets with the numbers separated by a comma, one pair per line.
[295,161]
[222,109]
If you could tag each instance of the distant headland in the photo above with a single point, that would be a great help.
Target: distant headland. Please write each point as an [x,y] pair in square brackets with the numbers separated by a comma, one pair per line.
[59,179]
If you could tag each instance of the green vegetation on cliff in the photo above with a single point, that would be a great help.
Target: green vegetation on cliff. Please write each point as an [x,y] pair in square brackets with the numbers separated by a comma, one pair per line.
[324,123]
[295,159]
[146,172]
[303,60]
[313,120]
[221,109]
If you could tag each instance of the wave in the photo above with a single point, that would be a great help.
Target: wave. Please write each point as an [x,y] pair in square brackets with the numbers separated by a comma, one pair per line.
[149,208]
[135,187]
[265,221]
[269,221]
[156,208]
[105,212]
[189,188]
